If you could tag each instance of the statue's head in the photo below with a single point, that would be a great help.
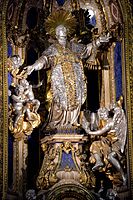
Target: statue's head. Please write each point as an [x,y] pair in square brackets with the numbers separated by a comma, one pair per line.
[16,61]
[19,89]
[60,23]
[61,34]
[24,83]
[103,113]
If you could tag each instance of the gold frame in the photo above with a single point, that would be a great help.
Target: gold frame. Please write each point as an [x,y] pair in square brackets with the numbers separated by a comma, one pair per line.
[4,106]
[126,8]
[127,79]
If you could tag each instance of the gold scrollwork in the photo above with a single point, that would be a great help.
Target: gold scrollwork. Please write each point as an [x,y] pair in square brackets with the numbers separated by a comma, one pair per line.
[47,176]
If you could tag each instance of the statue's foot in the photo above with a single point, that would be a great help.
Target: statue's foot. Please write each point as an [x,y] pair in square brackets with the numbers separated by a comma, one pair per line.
[97,166]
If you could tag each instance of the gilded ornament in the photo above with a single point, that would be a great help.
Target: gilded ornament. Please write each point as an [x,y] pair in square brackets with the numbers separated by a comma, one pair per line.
[60,17]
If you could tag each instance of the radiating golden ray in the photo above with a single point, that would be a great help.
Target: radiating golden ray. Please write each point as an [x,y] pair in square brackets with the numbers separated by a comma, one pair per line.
[60,17]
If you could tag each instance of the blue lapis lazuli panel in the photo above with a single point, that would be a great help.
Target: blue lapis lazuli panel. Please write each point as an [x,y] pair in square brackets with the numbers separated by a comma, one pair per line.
[10,160]
[9,84]
[9,54]
[10,138]
[9,79]
[9,49]
[93,21]
[60,2]
[118,69]
[90,19]
[67,161]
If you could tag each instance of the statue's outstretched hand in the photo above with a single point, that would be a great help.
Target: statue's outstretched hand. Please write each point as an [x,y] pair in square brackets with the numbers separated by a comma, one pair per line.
[29,69]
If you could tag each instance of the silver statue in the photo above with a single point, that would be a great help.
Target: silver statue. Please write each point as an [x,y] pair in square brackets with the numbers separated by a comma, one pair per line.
[14,63]
[28,92]
[112,138]
[23,117]
[24,101]
[18,103]
[68,82]
[31,195]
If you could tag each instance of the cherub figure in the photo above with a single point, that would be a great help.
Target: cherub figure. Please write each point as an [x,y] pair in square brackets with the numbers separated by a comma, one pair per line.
[24,101]
[112,137]
[18,103]
[28,92]
[23,108]
[14,63]
[23,112]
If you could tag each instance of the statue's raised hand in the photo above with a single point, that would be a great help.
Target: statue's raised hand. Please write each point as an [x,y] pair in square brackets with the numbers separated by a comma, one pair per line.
[105,38]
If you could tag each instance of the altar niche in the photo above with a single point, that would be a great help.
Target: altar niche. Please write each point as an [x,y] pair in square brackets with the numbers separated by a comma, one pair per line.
[66,150]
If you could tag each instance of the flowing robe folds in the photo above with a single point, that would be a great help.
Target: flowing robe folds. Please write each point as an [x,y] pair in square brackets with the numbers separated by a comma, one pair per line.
[68,84]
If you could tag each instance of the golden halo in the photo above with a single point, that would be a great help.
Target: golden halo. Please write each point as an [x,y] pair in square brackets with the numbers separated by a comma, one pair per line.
[60,17]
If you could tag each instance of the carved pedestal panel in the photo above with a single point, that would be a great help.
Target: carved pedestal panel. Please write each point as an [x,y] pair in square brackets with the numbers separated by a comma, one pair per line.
[64,160]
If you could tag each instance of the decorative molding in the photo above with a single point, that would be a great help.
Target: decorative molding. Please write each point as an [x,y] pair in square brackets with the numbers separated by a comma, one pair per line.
[127,77]
[103,16]
[1,109]
[128,21]
[5,103]
[112,78]
[69,189]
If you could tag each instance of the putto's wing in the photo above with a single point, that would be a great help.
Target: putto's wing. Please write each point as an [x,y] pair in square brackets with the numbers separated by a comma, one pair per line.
[120,126]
